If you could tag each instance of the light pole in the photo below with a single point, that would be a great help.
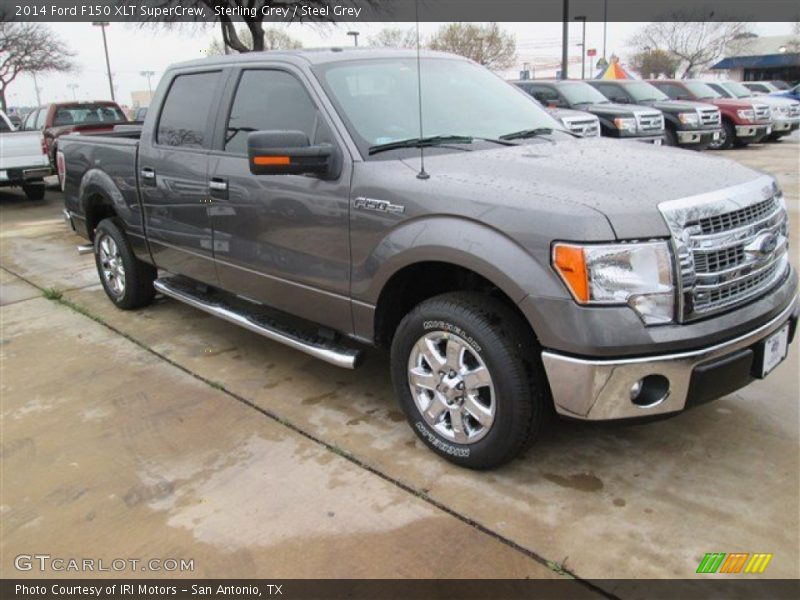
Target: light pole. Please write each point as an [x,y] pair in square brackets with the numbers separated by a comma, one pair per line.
[102,25]
[354,34]
[564,38]
[73,87]
[147,75]
[582,19]
[605,26]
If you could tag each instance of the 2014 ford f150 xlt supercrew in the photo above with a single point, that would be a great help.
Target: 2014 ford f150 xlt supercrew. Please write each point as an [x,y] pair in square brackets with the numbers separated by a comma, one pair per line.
[512,269]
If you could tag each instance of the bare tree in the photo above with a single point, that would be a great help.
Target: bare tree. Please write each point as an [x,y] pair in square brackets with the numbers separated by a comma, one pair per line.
[486,44]
[29,48]
[651,64]
[274,39]
[394,37]
[249,12]
[694,43]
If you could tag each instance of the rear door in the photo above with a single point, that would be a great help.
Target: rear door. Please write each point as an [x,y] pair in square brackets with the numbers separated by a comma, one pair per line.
[282,240]
[173,176]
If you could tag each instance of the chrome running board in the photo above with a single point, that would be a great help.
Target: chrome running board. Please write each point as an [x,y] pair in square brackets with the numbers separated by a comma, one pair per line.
[327,350]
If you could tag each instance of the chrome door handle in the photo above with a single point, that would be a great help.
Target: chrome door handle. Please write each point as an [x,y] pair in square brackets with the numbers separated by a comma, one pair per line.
[219,186]
[148,173]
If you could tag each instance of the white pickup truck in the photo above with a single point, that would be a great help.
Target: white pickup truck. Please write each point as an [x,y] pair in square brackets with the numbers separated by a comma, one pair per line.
[23,159]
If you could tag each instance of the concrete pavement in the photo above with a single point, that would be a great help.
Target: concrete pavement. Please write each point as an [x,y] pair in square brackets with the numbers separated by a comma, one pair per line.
[638,500]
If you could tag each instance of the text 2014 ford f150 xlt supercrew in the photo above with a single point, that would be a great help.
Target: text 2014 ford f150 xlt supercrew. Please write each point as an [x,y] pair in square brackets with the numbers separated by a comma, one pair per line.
[517,271]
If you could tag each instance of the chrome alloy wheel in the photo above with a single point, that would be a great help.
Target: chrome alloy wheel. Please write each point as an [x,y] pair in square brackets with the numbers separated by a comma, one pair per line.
[111,265]
[723,137]
[452,387]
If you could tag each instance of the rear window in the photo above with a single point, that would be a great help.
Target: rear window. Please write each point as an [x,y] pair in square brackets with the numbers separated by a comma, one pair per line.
[184,117]
[86,114]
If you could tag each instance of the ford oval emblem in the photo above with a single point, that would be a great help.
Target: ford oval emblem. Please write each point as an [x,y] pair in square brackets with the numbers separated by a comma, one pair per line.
[763,244]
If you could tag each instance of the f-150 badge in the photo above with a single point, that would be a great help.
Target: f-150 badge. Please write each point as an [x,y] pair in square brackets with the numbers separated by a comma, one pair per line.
[378,205]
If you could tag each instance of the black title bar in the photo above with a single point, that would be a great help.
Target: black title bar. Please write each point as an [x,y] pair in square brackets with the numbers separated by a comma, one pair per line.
[288,11]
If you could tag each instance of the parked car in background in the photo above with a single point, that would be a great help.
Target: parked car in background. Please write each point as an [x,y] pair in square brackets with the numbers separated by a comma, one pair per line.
[785,111]
[23,159]
[780,85]
[694,125]
[624,121]
[517,272]
[58,119]
[792,92]
[761,87]
[581,123]
[744,122]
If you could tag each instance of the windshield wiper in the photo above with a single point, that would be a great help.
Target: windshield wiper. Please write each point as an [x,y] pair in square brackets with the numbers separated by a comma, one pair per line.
[526,133]
[421,142]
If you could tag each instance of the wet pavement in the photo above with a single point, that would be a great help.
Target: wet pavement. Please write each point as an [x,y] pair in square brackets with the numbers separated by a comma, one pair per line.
[166,432]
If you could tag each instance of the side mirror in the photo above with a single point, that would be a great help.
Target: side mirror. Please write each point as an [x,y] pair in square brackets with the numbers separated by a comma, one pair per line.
[287,153]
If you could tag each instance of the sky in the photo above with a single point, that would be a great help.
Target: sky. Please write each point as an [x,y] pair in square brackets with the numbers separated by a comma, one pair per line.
[133,49]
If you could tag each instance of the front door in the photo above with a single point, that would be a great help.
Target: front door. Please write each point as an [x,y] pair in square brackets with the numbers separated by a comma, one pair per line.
[282,240]
[173,178]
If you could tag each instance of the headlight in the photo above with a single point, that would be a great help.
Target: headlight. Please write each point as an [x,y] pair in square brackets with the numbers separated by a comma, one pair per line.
[689,118]
[625,124]
[639,275]
[747,114]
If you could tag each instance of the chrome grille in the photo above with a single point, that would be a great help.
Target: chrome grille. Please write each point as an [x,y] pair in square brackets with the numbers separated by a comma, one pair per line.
[649,121]
[582,126]
[731,246]
[736,218]
[763,112]
[709,116]
[794,110]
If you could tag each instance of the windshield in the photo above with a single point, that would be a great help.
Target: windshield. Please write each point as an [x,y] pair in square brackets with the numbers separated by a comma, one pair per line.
[581,93]
[701,91]
[378,100]
[80,114]
[641,91]
[737,90]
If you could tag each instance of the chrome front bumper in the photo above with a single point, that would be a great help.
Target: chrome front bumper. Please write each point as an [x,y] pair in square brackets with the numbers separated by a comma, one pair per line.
[695,137]
[600,389]
[747,131]
[785,124]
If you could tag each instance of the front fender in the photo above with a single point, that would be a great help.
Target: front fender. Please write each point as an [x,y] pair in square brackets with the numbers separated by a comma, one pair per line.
[459,241]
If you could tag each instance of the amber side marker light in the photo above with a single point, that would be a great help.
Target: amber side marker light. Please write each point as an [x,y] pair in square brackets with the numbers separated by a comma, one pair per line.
[570,263]
[271,160]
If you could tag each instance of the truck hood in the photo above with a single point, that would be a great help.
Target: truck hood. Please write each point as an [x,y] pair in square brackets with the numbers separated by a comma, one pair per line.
[622,180]
[771,100]
[673,106]
[610,109]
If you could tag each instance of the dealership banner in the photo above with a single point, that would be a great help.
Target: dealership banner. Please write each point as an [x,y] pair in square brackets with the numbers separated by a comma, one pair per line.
[289,11]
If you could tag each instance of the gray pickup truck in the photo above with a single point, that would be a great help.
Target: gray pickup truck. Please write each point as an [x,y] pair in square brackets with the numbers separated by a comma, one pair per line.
[513,270]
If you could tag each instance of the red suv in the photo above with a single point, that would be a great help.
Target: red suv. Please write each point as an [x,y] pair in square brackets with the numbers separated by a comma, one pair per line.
[59,119]
[744,121]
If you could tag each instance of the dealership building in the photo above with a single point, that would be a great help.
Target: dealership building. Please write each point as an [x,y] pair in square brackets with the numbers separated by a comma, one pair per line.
[763,59]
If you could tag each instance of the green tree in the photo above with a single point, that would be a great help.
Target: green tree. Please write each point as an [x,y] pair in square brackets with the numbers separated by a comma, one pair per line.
[651,64]
[486,44]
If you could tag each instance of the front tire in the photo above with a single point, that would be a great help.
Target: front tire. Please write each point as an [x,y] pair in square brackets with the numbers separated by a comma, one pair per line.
[727,136]
[467,373]
[34,190]
[128,282]
[670,138]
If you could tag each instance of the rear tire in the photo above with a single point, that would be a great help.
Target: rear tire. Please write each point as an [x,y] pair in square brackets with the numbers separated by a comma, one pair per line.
[128,282]
[34,190]
[467,372]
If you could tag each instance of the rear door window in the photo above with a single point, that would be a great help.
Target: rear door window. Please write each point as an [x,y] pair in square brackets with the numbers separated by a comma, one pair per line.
[185,115]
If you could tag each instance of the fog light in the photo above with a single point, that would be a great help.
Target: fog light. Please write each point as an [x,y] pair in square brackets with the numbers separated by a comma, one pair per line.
[650,391]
